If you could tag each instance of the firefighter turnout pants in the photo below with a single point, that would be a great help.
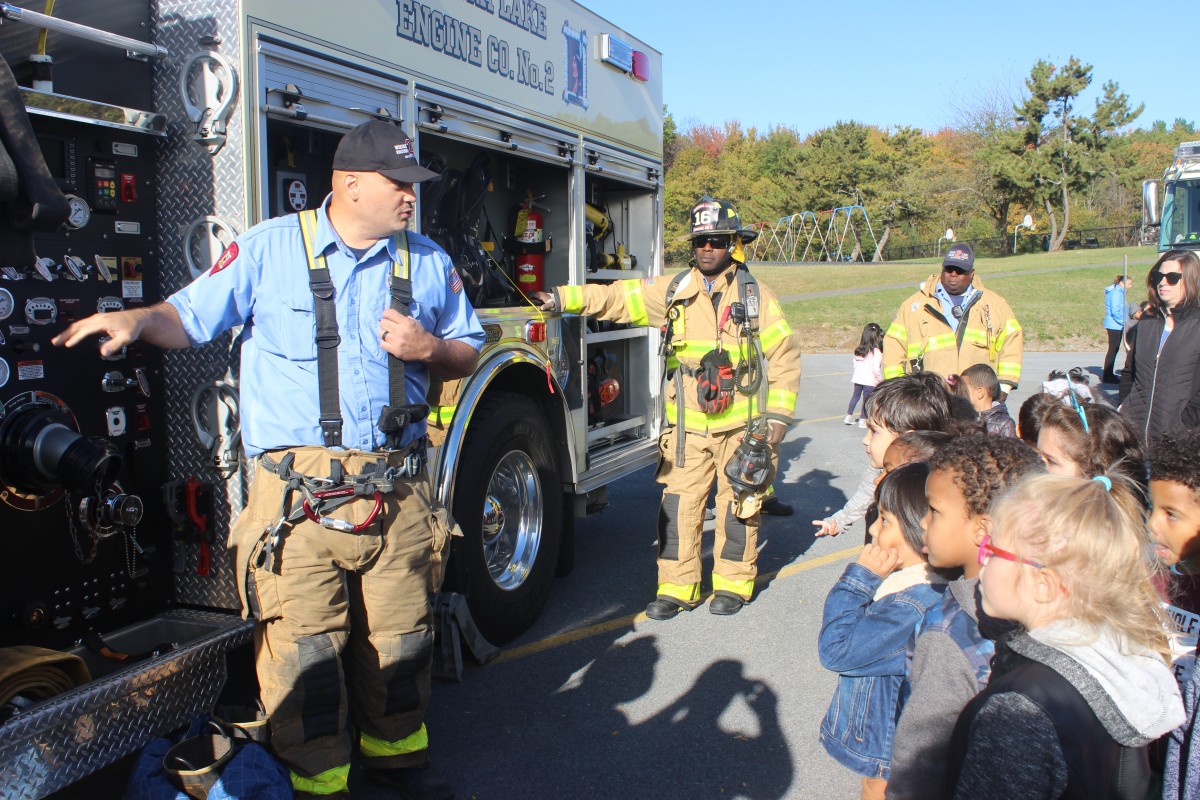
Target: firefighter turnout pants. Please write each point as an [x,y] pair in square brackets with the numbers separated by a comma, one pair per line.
[336,608]
[681,518]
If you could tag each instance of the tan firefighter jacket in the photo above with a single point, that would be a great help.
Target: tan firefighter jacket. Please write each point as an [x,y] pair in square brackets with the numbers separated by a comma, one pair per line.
[991,336]
[694,333]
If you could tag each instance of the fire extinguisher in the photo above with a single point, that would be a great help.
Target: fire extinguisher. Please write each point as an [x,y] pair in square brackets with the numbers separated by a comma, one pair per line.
[530,246]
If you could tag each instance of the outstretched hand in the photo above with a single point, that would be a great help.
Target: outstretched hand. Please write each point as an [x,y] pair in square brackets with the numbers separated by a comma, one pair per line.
[545,300]
[827,527]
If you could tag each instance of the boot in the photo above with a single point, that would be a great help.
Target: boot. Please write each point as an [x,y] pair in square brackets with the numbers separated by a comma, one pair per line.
[772,506]
[414,783]
[663,607]
[725,603]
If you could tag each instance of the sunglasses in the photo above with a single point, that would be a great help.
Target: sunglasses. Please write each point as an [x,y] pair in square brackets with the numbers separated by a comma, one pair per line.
[715,242]
[1172,278]
[987,550]
[955,270]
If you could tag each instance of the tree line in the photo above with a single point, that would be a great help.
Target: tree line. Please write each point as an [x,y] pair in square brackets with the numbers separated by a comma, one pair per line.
[1035,153]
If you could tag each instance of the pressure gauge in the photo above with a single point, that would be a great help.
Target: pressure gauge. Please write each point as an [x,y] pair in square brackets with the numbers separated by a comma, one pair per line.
[4,372]
[7,304]
[80,212]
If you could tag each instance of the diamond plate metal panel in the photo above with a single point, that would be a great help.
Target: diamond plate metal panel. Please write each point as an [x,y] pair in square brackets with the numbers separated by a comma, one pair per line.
[195,184]
[70,737]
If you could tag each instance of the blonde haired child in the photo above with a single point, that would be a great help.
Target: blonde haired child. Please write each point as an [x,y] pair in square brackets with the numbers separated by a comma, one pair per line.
[1073,701]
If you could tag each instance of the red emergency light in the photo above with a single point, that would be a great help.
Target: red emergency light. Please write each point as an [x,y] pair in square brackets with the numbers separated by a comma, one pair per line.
[535,332]
[641,66]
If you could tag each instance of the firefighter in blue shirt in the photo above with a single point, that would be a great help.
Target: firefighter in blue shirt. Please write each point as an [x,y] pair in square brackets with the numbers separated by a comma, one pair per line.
[333,382]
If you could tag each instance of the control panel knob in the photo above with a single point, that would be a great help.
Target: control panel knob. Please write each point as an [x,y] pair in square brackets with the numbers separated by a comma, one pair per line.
[115,381]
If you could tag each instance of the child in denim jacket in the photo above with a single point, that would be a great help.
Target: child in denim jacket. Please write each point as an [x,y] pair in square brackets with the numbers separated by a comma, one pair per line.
[870,615]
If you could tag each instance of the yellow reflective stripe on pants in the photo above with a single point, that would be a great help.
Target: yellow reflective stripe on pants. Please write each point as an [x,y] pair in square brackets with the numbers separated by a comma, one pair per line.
[743,589]
[686,594]
[440,415]
[572,299]
[331,781]
[635,304]
[373,748]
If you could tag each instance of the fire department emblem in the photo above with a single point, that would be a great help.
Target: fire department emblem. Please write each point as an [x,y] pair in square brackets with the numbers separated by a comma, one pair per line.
[228,257]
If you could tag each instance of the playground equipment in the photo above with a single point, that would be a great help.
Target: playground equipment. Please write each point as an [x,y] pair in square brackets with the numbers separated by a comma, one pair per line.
[814,236]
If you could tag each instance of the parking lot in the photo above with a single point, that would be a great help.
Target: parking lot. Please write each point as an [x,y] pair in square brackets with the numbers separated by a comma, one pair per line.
[599,701]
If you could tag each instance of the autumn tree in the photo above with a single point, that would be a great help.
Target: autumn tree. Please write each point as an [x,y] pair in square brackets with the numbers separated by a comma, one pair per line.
[1054,152]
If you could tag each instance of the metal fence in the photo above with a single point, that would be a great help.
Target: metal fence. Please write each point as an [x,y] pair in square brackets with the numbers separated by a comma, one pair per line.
[1124,236]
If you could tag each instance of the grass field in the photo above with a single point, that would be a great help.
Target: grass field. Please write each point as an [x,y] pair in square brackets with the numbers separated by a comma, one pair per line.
[1058,297]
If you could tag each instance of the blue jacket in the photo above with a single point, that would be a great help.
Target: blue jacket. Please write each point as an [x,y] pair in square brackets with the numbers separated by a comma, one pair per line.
[1114,307]
[866,642]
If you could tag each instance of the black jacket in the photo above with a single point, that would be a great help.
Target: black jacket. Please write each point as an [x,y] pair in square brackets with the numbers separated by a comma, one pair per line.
[1094,766]
[1161,391]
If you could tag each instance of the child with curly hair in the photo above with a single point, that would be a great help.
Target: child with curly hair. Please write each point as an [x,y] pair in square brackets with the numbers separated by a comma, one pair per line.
[953,647]
[1175,529]
[870,614]
[1076,697]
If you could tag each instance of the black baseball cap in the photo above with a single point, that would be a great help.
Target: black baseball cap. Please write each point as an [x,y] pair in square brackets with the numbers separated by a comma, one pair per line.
[961,256]
[379,146]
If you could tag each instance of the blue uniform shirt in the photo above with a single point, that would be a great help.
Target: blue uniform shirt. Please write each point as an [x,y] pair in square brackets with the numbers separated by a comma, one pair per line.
[262,282]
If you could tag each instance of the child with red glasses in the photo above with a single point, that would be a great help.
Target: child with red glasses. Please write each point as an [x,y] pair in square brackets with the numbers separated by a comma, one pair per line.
[1175,529]
[870,614]
[1074,700]
[952,652]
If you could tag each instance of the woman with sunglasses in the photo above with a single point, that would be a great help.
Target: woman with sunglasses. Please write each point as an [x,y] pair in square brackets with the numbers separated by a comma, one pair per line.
[1160,386]
[1074,701]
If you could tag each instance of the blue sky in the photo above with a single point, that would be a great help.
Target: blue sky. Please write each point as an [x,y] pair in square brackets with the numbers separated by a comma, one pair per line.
[808,65]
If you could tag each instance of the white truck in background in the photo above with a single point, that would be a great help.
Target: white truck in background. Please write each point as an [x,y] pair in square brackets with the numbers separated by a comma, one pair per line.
[1175,224]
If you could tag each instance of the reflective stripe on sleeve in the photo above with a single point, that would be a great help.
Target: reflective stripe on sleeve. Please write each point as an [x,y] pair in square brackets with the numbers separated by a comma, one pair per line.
[635,303]
[572,299]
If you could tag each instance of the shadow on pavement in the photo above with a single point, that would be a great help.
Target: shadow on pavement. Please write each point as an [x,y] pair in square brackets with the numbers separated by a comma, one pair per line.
[586,734]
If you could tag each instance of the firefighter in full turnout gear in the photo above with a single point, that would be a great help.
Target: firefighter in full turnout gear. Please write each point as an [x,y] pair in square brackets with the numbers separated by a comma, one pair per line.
[347,316]
[733,370]
[954,322]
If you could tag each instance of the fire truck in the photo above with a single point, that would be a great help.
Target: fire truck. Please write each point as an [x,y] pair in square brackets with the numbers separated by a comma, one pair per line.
[139,139]
[1177,225]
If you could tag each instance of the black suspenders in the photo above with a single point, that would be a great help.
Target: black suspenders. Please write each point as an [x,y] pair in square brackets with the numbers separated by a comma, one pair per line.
[398,414]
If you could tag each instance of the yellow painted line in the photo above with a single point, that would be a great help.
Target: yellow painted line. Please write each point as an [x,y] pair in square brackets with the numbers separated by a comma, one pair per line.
[579,634]
[816,419]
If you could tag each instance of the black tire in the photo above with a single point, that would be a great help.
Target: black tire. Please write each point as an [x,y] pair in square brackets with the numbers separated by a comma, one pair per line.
[508,470]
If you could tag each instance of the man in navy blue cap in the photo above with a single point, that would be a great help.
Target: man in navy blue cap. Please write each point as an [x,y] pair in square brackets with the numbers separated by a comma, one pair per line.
[954,322]
[347,315]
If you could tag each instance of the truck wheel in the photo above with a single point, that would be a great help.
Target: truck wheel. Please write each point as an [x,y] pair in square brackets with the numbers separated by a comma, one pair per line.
[508,501]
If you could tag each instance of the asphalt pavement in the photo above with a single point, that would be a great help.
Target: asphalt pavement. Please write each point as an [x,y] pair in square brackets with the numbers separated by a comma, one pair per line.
[597,701]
